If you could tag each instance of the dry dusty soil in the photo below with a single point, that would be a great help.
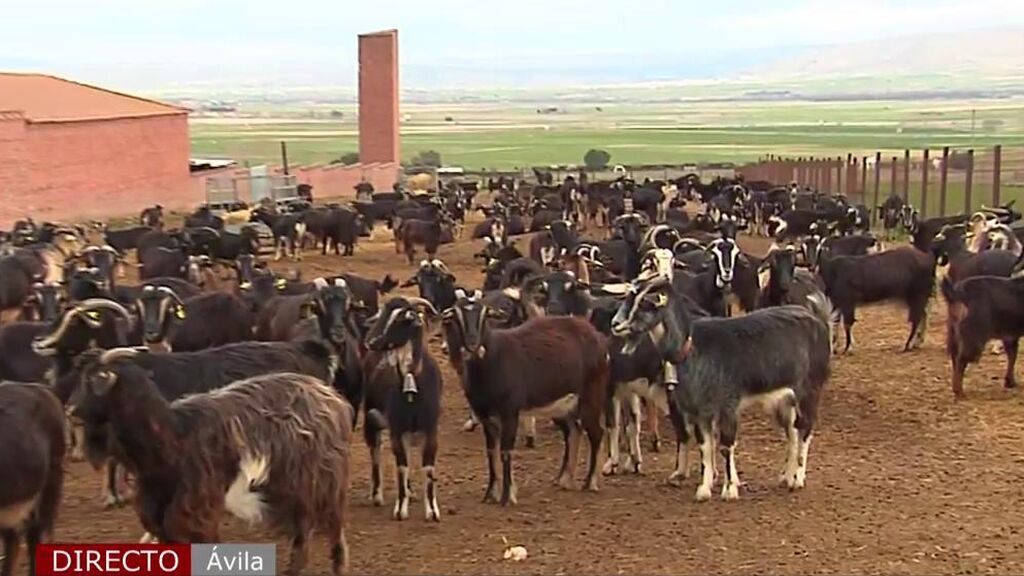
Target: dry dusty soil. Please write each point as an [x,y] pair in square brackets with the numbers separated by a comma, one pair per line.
[902,480]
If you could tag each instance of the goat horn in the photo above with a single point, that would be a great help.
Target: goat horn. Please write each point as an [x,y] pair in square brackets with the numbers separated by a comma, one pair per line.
[319,283]
[93,303]
[115,354]
[171,293]
[417,301]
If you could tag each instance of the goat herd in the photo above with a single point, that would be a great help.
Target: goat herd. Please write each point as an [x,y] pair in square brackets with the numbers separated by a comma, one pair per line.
[239,391]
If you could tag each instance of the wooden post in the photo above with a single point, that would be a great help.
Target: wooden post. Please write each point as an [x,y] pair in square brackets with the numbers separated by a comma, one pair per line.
[924,184]
[997,165]
[943,180]
[906,176]
[878,179]
[894,169]
[969,182]
[284,156]
[864,178]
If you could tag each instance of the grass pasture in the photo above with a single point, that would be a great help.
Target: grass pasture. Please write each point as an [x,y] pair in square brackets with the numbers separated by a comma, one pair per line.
[479,135]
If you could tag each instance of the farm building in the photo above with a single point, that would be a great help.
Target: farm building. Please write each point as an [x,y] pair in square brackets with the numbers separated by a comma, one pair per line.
[70,150]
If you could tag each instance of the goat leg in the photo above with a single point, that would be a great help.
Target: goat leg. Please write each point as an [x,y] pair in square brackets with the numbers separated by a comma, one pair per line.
[10,538]
[400,447]
[432,511]
[1010,346]
[299,554]
[727,426]
[491,439]
[633,433]
[680,426]
[704,433]
[614,417]
[509,428]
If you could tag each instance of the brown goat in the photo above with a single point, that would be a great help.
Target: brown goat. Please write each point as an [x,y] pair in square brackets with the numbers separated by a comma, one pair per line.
[554,366]
[31,456]
[981,309]
[270,449]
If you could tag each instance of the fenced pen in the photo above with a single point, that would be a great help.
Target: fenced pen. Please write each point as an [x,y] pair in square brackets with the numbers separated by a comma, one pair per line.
[937,182]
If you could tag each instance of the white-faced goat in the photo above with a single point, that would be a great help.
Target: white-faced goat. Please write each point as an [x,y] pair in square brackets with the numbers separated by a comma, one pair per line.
[204,321]
[905,274]
[787,352]
[270,449]
[435,282]
[403,395]
[555,366]
[982,309]
[32,458]
[784,282]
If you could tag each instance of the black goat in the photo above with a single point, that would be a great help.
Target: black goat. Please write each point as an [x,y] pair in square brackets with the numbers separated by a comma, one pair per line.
[171,323]
[904,274]
[785,283]
[436,284]
[125,240]
[288,230]
[713,387]
[403,395]
[32,458]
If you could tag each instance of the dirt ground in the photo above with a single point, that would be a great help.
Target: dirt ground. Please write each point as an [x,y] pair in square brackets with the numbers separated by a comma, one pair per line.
[902,480]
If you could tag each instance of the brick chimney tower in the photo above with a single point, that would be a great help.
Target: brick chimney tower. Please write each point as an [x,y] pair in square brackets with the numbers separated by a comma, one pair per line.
[378,97]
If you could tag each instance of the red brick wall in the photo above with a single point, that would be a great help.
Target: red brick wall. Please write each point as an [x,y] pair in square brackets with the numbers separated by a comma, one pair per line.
[13,184]
[378,97]
[79,170]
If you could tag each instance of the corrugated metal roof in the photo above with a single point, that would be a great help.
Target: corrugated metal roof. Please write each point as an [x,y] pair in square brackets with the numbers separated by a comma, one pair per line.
[43,98]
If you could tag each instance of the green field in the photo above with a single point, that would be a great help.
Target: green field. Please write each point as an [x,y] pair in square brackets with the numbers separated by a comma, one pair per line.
[515,135]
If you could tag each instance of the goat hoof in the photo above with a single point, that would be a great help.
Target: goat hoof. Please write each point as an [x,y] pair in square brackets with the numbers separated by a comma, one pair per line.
[703,493]
[656,445]
[637,467]
[490,497]
[531,442]
[1010,384]
[401,511]
[730,492]
[112,502]
[676,479]
[433,516]
[469,426]
[564,482]
[591,485]
[799,480]
[377,499]
[610,468]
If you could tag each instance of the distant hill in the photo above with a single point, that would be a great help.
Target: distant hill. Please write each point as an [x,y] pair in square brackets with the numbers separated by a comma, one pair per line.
[990,52]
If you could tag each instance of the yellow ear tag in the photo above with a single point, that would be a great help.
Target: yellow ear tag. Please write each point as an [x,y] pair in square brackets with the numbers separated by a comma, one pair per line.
[180,312]
[281,283]
[94,314]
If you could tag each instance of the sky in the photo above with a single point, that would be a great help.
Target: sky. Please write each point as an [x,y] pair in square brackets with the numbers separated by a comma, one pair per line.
[144,42]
